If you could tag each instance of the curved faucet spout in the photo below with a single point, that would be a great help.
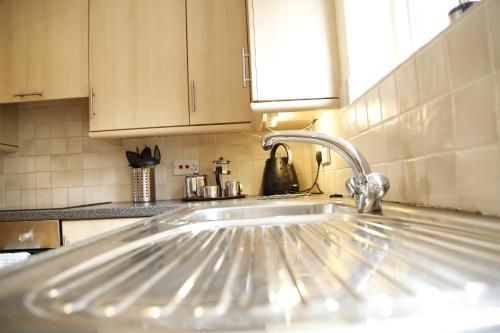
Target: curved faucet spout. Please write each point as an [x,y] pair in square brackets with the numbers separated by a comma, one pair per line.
[366,187]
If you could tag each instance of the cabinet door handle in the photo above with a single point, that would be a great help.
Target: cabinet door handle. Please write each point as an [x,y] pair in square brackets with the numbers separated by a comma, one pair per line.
[27,236]
[193,99]
[35,93]
[91,103]
[244,56]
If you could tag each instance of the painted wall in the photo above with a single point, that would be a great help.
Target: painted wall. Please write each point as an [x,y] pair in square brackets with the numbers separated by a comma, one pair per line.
[58,164]
[432,125]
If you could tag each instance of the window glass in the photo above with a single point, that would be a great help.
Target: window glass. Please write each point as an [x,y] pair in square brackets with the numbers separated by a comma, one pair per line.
[380,34]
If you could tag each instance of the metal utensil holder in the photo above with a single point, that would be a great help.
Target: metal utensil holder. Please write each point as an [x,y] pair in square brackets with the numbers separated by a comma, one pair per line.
[143,184]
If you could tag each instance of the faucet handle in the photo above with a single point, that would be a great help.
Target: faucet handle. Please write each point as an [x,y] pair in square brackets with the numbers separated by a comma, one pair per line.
[378,184]
[369,192]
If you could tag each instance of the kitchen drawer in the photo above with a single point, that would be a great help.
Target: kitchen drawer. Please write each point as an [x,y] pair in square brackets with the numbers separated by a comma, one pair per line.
[20,235]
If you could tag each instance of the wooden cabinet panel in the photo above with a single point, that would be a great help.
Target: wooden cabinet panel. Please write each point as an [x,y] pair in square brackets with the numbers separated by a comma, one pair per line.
[138,64]
[77,230]
[44,49]
[217,33]
[8,128]
[293,49]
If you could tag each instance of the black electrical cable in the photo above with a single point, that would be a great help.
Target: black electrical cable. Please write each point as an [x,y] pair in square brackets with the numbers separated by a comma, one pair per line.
[319,159]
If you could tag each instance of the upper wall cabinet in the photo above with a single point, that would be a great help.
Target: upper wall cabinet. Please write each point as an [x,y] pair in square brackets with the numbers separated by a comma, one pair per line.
[293,53]
[138,64]
[8,128]
[140,80]
[43,50]
[217,33]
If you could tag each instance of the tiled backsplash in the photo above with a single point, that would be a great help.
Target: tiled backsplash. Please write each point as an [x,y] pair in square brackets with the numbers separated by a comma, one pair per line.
[432,125]
[58,164]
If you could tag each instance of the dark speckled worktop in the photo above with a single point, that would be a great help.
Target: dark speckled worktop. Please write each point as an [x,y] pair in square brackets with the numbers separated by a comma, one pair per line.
[101,211]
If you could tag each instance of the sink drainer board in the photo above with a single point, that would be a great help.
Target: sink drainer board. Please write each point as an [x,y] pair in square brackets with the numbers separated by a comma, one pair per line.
[333,269]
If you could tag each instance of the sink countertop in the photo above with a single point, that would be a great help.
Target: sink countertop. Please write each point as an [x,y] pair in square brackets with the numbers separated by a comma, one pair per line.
[103,211]
[302,265]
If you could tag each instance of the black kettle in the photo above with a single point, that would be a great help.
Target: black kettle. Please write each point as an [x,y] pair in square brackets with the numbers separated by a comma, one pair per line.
[279,174]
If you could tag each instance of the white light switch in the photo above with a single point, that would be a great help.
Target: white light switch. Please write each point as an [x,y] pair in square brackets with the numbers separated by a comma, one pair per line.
[186,167]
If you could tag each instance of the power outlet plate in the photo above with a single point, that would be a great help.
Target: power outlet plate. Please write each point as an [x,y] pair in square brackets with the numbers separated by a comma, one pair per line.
[186,167]
[326,156]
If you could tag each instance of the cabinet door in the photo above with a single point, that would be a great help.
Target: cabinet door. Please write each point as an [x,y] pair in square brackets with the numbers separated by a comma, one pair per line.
[138,64]
[217,33]
[293,47]
[8,128]
[44,49]
[77,230]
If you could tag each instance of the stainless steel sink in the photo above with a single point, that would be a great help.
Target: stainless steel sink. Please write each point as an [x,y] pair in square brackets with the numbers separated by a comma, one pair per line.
[263,210]
[311,265]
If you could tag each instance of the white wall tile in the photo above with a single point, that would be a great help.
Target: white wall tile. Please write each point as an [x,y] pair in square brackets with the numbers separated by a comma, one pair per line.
[352,126]
[42,130]
[90,160]
[392,133]
[74,162]
[73,128]
[58,162]
[412,133]
[438,126]
[2,199]
[58,129]
[13,182]
[13,199]
[361,116]
[28,181]
[432,70]
[108,177]
[28,199]
[475,114]
[43,180]
[42,163]
[43,198]
[75,145]
[415,181]
[493,12]
[59,179]
[26,164]
[76,195]
[75,178]
[26,130]
[395,174]
[12,165]
[58,146]
[388,97]
[91,177]
[59,197]
[373,107]
[372,146]
[468,49]
[42,147]
[478,179]
[407,86]
[92,194]
[441,180]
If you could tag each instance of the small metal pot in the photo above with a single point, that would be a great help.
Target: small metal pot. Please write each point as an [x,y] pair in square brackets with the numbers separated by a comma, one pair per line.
[193,186]
[211,191]
[233,188]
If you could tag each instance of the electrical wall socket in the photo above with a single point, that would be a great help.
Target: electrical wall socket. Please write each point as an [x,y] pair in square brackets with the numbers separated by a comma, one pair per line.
[326,156]
[186,167]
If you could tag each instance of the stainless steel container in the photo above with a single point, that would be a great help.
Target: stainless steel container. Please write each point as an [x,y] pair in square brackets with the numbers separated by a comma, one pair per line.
[211,191]
[233,188]
[143,184]
[193,186]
